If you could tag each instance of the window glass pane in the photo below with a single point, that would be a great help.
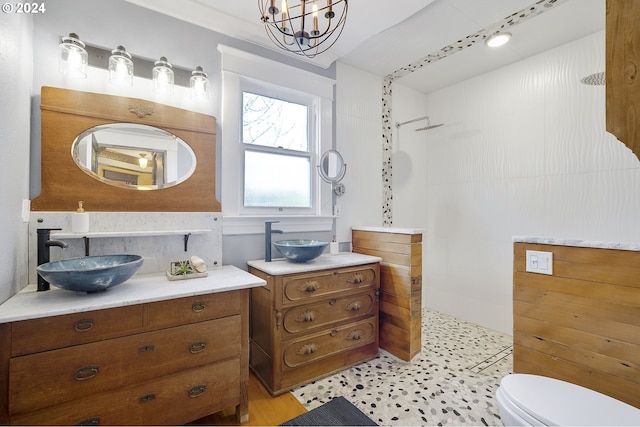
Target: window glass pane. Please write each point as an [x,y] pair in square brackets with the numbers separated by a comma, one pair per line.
[274,180]
[272,122]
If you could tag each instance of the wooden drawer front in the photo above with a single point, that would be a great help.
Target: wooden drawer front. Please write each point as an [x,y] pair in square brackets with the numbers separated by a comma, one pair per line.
[193,309]
[57,376]
[323,314]
[329,342]
[173,400]
[316,285]
[31,336]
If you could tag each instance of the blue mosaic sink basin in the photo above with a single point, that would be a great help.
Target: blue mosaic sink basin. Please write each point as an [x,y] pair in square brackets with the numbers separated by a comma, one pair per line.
[301,250]
[91,273]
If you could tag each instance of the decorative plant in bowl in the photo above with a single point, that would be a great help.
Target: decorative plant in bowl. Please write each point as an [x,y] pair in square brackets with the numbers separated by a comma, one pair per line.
[187,269]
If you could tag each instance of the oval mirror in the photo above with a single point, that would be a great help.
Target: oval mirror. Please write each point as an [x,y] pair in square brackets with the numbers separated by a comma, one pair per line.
[332,167]
[133,156]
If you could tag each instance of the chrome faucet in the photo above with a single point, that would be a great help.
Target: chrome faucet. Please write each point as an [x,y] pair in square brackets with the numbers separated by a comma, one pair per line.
[44,243]
[267,239]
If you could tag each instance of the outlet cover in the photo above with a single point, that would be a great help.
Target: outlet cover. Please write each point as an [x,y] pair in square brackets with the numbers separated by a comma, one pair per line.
[540,262]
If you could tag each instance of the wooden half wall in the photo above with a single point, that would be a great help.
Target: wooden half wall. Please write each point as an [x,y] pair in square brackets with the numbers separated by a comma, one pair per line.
[581,324]
[400,285]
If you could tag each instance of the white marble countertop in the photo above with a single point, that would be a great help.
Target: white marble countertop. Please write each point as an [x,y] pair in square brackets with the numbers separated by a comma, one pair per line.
[280,266]
[397,230]
[141,288]
[541,240]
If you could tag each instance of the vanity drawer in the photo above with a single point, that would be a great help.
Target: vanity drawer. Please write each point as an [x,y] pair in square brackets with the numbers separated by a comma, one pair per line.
[168,400]
[322,314]
[310,348]
[57,376]
[193,309]
[303,287]
[31,336]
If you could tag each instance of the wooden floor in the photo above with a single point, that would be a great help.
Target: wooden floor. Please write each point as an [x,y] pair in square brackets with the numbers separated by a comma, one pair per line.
[264,409]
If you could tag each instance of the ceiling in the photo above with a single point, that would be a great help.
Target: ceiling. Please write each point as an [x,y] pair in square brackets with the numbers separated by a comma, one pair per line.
[424,42]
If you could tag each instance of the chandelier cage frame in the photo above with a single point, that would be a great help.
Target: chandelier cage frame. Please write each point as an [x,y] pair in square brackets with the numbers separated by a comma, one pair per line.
[297,30]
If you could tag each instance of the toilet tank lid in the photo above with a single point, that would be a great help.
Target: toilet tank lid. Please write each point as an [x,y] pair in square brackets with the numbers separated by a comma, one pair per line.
[556,402]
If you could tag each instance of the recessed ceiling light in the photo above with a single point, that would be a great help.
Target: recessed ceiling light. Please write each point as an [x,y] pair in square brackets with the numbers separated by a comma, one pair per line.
[497,39]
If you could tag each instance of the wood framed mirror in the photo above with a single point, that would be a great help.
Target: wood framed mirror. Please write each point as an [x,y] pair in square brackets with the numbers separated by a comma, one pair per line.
[68,114]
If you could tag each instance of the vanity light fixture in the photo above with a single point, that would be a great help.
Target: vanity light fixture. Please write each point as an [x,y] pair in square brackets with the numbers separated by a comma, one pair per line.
[305,28]
[163,77]
[73,57]
[199,84]
[121,67]
[497,39]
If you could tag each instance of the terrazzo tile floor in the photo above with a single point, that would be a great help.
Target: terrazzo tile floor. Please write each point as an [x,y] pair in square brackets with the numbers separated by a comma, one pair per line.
[451,382]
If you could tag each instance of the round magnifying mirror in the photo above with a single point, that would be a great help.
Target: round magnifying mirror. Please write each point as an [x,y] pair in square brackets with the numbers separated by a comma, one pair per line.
[332,167]
[133,156]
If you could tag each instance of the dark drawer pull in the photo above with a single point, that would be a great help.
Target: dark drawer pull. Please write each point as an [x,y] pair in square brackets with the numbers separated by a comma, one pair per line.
[84,325]
[197,390]
[354,306]
[356,278]
[147,397]
[355,335]
[307,349]
[91,421]
[197,347]
[86,372]
[146,348]
[310,286]
[197,307]
[307,316]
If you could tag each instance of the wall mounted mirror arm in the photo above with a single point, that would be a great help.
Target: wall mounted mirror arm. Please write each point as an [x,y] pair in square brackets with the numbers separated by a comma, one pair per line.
[332,169]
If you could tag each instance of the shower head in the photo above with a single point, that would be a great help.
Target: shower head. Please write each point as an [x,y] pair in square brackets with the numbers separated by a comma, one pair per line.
[596,79]
[430,127]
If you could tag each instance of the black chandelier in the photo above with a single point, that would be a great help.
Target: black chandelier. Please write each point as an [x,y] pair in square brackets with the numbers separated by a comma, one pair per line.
[305,28]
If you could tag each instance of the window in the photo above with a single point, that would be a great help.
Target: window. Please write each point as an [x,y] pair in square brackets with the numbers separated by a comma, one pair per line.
[277,159]
[279,146]
[275,120]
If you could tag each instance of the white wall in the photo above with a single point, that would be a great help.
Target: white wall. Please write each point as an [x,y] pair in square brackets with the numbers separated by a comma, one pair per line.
[524,152]
[15,110]
[359,140]
[409,151]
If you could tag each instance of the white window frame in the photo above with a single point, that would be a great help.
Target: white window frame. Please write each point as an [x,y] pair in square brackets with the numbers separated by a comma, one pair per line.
[311,102]
[240,71]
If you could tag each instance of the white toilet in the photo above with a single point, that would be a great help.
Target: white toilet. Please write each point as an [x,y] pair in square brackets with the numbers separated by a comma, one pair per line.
[532,400]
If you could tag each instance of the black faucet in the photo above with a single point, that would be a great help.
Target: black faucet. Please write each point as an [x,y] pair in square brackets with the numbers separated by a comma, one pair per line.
[44,243]
[267,239]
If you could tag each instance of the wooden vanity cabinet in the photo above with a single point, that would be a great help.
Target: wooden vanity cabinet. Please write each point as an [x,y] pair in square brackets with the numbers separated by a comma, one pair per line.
[305,326]
[166,362]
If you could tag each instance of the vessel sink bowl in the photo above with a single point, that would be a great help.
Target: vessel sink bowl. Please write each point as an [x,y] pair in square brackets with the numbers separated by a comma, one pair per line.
[91,273]
[301,250]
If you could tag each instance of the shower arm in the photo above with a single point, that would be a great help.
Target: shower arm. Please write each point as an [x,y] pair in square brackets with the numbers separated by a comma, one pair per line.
[398,124]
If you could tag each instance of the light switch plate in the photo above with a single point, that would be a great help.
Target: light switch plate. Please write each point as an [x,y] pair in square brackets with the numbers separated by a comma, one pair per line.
[540,262]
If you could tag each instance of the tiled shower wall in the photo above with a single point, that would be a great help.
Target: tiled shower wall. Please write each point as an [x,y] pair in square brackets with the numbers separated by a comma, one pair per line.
[524,151]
